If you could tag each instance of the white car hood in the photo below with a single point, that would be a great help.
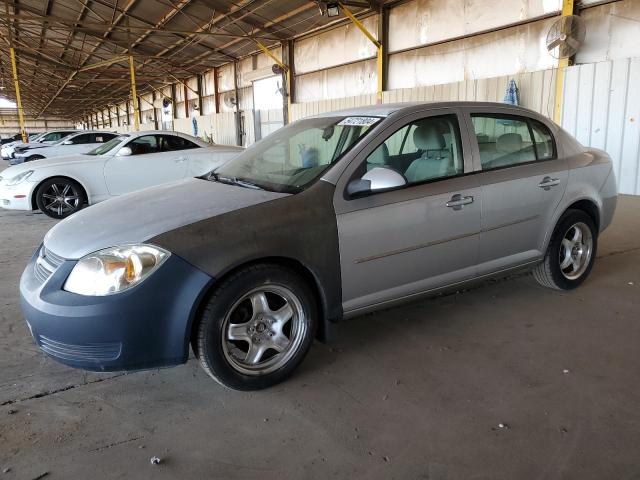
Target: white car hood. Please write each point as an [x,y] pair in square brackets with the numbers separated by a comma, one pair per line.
[142,215]
[48,162]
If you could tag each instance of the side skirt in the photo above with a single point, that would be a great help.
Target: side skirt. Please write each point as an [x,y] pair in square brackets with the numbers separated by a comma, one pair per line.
[434,291]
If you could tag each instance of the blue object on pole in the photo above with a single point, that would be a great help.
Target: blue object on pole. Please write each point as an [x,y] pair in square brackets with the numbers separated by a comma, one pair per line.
[511,94]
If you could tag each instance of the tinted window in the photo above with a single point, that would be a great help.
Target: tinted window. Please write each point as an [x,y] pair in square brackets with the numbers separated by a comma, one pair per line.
[422,150]
[54,136]
[545,146]
[82,139]
[144,145]
[177,143]
[503,140]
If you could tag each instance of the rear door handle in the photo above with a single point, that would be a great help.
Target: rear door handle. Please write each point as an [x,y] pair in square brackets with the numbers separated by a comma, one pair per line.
[458,201]
[180,160]
[548,182]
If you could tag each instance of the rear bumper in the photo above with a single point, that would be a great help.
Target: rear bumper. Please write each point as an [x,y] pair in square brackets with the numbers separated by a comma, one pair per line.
[147,326]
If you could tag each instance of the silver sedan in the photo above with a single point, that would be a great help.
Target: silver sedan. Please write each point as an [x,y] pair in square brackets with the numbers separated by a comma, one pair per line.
[327,218]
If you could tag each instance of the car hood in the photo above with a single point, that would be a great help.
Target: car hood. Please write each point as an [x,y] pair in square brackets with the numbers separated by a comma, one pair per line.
[142,215]
[49,162]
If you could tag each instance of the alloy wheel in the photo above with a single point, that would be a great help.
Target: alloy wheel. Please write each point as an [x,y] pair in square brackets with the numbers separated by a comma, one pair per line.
[575,251]
[61,199]
[263,330]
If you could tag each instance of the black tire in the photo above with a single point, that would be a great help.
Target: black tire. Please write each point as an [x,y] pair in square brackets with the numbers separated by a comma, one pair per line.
[33,157]
[549,273]
[46,193]
[217,354]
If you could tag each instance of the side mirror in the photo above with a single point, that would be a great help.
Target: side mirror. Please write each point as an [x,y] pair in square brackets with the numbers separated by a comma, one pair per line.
[377,179]
[124,152]
[67,142]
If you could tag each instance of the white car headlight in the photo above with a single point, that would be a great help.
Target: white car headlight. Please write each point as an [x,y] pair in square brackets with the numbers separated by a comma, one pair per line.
[114,269]
[18,178]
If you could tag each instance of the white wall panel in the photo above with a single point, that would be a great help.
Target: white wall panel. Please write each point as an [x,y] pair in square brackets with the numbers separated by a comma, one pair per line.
[601,108]
[335,47]
[506,52]
[339,82]
[421,22]
[613,31]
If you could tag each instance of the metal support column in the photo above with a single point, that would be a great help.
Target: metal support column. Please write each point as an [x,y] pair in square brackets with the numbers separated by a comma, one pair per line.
[216,93]
[134,96]
[199,78]
[563,63]
[286,75]
[155,110]
[380,57]
[16,82]
[239,132]
[174,108]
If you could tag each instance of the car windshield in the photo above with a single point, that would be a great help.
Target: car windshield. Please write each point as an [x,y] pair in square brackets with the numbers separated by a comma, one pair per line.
[107,146]
[293,157]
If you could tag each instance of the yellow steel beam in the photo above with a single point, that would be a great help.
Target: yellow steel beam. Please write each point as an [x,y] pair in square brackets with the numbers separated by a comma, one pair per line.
[16,82]
[372,39]
[134,95]
[563,63]
[14,68]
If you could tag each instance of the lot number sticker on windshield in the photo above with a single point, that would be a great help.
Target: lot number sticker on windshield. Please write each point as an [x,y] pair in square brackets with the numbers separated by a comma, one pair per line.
[358,121]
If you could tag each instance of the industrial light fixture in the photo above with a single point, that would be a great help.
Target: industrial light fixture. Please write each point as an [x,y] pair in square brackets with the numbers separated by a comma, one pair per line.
[333,9]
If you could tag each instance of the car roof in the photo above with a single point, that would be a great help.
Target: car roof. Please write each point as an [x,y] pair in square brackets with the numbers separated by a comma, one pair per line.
[386,109]
[155,132]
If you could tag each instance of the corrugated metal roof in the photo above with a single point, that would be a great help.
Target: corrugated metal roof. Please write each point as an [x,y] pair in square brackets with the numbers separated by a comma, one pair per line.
[62,44]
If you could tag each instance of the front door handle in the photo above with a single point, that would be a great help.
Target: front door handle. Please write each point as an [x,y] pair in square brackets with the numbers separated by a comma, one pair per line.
[548,182]
[458,201]
[180,160]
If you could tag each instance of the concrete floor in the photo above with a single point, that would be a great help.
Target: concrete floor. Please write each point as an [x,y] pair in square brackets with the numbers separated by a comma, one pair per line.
[415,392]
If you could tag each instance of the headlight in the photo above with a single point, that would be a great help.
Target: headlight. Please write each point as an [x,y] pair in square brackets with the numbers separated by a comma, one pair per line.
[114,269]
[19,178]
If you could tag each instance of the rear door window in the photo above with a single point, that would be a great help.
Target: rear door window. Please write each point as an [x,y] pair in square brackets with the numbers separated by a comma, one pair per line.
[509,140]
[173,143]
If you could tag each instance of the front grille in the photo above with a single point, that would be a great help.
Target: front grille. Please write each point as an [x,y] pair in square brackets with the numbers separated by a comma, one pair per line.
[46,264]
[90,352]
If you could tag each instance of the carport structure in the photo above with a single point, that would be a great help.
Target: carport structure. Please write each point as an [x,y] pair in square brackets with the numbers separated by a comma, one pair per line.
[75,56]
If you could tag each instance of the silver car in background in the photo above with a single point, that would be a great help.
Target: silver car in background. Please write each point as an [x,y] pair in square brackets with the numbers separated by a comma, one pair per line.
[326,218]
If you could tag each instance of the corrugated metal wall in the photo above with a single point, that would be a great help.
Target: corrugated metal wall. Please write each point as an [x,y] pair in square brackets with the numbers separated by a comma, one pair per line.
[601,108]
[537,92]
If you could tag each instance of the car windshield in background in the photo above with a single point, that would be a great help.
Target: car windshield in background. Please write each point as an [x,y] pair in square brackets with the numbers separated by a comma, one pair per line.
[293,157]
[106,147]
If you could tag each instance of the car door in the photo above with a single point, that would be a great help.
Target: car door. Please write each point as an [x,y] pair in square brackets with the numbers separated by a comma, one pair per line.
[150,163]
[523,180]
[187,152]
[399,243]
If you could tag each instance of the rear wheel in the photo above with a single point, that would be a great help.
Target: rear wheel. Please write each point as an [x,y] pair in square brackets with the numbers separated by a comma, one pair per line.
[60,197]
[256,327]
[571,252]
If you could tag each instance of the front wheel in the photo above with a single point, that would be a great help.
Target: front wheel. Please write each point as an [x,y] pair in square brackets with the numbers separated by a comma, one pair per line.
[571,252]
[256,327]
[59,197]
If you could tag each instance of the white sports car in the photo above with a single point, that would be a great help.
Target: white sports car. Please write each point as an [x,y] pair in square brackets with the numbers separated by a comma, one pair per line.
[61,186]
[78,142]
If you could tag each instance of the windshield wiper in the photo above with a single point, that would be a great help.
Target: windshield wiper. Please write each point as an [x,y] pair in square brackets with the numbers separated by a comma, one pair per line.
[233,181]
